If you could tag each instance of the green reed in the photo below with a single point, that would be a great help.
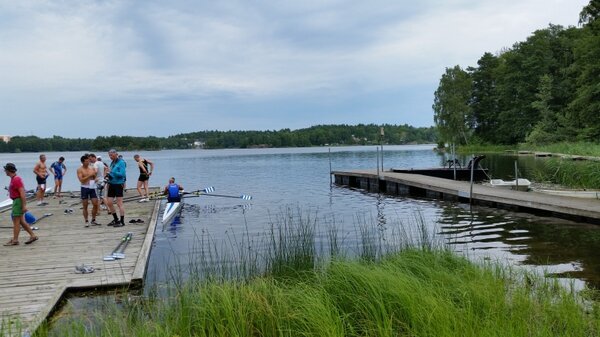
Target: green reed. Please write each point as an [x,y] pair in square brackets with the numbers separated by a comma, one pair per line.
[397,280]
[574,174]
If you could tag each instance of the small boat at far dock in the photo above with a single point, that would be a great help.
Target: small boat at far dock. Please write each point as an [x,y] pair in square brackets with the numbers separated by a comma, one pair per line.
[452,171]
[588,194]
[520,184]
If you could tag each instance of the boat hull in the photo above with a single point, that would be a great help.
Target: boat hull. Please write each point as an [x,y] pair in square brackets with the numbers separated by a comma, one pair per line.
[171,209]
[520,185]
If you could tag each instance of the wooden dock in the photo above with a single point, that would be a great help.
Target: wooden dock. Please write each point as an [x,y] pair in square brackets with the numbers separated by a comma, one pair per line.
[34,277]
[577,209]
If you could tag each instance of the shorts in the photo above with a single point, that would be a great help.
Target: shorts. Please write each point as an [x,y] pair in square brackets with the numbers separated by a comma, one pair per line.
[17,208]
[88,193]
[40,181]
[58,177]
[115,191]
[174,199]
[143,177]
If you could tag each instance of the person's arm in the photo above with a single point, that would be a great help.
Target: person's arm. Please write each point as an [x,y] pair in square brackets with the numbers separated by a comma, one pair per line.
[80,175]
[166,190]
[64,169]
[151,166]
[23,198]
[52,170]
[36,169]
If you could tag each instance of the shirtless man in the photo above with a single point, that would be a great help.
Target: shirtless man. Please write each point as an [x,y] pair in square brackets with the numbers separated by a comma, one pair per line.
[41,173]
[87,177]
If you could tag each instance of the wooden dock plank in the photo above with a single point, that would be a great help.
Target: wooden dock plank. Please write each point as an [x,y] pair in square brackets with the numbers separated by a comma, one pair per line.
[34,277]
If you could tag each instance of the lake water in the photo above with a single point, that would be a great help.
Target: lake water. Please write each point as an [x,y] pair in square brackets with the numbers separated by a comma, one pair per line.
[298,179]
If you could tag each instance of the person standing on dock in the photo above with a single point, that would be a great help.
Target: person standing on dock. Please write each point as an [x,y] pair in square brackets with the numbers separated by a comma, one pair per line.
[101,170]
[146,167]
[41,174]
[58,169]
[16,191]
[87,177]
[116,181]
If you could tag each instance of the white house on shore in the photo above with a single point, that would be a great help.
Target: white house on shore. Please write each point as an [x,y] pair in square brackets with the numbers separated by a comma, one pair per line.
[5,138]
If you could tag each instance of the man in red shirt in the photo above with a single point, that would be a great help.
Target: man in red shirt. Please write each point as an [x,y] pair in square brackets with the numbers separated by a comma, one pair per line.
[16,191]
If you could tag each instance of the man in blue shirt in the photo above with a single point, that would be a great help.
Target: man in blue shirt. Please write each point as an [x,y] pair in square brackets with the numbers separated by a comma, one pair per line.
[116,181]
[58,169]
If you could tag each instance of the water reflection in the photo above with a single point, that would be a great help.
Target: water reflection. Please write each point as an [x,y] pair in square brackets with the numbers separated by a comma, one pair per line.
[561,247]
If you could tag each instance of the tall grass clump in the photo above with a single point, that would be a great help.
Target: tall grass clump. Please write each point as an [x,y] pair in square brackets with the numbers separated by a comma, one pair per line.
[579,148]
[396,284]
[575,174]
[411,293]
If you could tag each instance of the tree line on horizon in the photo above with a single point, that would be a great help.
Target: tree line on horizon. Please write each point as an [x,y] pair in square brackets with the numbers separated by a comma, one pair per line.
[545,89]
[319,135]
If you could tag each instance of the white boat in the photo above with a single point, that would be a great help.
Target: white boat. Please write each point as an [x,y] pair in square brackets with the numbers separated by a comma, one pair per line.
[520,184]
[171,209]
[5,203]
[589,194]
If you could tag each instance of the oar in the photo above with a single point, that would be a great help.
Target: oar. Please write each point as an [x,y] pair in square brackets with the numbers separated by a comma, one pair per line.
[120,253]
[40,218]
[243,196]
[111,257]
[191,193]
[202,191]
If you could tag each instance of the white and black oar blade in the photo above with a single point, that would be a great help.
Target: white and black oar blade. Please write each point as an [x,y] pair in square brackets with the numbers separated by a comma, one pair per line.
[209,189]
[246,197]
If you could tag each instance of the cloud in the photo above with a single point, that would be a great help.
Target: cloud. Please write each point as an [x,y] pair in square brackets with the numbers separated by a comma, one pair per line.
[219,63]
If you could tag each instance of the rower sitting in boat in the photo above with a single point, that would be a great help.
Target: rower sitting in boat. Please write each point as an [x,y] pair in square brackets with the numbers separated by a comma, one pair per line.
[172,190]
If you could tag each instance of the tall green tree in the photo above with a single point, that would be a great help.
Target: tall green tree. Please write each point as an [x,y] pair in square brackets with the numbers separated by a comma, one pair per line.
[484,97]
[452,113]
[548,127]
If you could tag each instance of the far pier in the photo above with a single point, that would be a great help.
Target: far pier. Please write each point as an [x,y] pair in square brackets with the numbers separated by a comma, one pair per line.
[406,184]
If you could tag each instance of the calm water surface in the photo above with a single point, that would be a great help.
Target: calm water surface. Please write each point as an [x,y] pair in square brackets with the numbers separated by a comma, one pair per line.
[298,179]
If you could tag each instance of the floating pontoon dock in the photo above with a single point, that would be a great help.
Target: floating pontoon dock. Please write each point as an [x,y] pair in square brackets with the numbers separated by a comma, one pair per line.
[577,209]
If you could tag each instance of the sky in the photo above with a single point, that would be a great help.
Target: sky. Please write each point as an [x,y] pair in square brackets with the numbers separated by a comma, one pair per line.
[77,68]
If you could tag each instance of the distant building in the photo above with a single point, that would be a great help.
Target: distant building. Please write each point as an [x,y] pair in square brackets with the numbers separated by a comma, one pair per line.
[199,144]
[5,138]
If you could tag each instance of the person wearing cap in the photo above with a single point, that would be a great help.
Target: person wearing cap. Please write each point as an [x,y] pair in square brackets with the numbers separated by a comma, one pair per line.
[16,191]
[116,182]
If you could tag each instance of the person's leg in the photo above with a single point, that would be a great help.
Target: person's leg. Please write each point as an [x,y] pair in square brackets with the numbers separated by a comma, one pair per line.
[40,193]
[27,228]
[109,200]
[121,208]
[56,187]
[94,210]
[16,228]
[84,203]
[146,188]
[59,187]
[139,188]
